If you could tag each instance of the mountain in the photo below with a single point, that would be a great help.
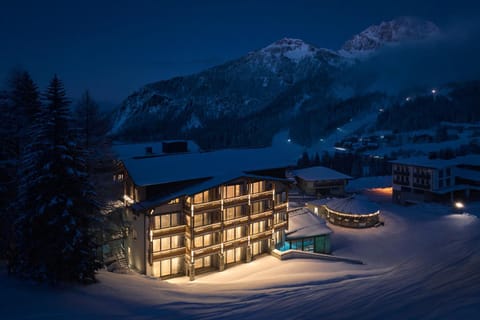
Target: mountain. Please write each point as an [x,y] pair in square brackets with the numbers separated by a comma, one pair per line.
[392,32]
[235,89]
[245,102]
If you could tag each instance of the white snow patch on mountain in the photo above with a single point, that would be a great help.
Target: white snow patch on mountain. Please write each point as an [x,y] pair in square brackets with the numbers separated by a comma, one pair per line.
[294,49]
[193,122]
[388,33]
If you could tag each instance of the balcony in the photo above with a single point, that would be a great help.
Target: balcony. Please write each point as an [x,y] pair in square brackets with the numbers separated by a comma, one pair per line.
[281,206]
[261,235]
[280,225]
[169,253]
[206,205]
[242,219]
[261,215]
[166,231]
[208,227]
[262,195]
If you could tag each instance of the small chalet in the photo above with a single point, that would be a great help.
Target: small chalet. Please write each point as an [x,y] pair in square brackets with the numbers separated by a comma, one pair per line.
[321,181]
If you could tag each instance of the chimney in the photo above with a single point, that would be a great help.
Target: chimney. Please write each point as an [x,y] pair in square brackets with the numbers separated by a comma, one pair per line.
[174,146]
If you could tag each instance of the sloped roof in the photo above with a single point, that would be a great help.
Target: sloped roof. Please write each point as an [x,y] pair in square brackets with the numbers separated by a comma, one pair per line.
[319,202]
[197,187]
[190,166]
[352,205]
[320,173]
[302,223]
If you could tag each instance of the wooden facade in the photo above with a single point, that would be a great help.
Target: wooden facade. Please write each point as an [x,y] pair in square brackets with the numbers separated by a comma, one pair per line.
[205,229]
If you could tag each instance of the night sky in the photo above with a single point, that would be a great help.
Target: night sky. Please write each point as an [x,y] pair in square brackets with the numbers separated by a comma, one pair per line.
[113,47]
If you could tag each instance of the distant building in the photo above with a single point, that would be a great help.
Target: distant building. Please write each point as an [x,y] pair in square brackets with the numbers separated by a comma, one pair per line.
[424,179]
[307,232]
[321,181]
[203,211]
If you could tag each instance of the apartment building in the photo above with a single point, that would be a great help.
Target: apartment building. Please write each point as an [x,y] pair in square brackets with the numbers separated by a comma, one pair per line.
[423,179]
[197,212]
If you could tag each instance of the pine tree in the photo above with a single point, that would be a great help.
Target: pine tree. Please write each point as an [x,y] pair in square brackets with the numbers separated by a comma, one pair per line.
[87,118]
[18,106]
[25,104]
[58,212]
[316,160]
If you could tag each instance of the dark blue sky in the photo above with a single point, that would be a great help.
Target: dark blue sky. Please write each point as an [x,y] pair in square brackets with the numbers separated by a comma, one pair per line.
[113,47]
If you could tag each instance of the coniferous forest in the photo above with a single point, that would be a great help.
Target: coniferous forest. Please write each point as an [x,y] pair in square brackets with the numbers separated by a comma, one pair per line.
[50,215]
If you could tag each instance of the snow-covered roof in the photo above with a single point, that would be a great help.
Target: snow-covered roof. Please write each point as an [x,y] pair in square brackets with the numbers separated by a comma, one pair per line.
[319,202]
[468,174]
[363,183]
[302,223]
[352,205]
[125,151]
[191,166]
[320,173]
[425,162]
[473,159]
[196,187]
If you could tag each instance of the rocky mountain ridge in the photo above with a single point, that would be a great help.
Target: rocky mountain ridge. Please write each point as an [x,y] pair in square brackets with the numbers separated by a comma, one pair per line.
[247,100]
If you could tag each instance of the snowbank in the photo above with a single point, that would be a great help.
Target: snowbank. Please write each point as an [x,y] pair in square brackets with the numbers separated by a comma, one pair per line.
[424,263]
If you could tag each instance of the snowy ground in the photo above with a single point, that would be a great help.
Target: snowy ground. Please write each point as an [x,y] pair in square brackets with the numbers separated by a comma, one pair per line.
[424,263]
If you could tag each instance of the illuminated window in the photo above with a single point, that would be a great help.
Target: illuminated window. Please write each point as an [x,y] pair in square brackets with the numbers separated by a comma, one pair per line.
[156,269]
[230,234]
[167,220]
[203,262]
[165,243]
[206,218]
[156,245]
[201,197]
[174,201]
[235,212]
[172,242]
[232,191]
[261,206]
[168,267]
[257,227]
[234,255]
[257,247]
[203,240]
[258,186]
[177,265]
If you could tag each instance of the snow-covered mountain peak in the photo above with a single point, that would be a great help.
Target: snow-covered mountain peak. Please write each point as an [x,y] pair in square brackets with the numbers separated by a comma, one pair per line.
[390,32]
[294,49]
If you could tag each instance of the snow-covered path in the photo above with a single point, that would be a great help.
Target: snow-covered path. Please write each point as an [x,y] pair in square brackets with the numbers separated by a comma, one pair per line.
[424,263]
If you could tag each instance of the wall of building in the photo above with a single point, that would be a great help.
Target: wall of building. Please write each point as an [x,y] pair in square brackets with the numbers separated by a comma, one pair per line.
[136,241]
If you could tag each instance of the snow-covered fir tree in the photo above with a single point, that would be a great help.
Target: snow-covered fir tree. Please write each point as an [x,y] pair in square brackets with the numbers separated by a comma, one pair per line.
[58,214]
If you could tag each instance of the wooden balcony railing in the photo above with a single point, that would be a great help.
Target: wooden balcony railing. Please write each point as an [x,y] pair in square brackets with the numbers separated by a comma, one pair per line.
[167,231]
[208,227]
[169,253]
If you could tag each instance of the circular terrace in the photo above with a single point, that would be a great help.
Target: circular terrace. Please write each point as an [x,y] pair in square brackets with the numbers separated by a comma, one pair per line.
[352,212]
